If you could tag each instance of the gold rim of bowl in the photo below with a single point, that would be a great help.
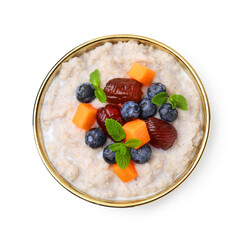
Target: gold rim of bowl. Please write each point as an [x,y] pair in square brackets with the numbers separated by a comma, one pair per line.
[85,47]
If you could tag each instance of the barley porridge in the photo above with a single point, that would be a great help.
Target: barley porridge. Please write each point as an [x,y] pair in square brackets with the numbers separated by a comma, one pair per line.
[83,166]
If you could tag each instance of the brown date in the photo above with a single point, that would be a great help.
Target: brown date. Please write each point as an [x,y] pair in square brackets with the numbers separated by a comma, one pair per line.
[121,90]
[162,134]
[109,111]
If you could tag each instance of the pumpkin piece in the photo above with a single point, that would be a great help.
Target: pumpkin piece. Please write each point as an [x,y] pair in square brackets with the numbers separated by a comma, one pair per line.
[137,129]
[85,116]
[127,174]
[141,73]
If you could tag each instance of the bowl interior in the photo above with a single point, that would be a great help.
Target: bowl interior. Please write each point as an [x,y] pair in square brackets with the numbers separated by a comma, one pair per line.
[87,47]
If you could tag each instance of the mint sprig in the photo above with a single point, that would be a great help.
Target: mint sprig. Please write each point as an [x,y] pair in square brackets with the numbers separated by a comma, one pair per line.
[177,101]
[122,150]
[95,81]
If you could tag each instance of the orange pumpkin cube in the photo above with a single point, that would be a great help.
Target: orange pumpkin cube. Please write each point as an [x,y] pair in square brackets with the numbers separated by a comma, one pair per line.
[127,174]
[85,116]
[137,129]
[141,73]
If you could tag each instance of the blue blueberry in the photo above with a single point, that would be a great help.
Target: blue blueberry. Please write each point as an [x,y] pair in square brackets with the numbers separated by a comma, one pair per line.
[130,111]
[167,113]
[148,109]
[95,138]
[108,155]
[154,89]
[85,93]
[142,154]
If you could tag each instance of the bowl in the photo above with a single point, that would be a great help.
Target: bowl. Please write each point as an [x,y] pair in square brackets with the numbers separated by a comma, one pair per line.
[85,47]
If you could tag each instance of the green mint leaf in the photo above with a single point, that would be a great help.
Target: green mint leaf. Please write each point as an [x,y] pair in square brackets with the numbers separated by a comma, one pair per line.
[118,147]
[123,160]
[115,146]
[115,129]
[173,103]
[160,98]
[123,149]
[132,143]
[94,78]
[178,101]
[99,93]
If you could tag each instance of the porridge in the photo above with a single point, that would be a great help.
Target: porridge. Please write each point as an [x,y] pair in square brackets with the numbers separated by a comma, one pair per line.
[81,163]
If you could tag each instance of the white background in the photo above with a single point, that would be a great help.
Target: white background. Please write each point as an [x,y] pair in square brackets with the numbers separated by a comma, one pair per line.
[211,35]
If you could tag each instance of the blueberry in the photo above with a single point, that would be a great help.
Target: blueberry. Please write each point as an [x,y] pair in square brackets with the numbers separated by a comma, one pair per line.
[167,113]
[108,155]
[85,93]
[142,154]
[130,111]
[154,89]
[95,138]
[148,109]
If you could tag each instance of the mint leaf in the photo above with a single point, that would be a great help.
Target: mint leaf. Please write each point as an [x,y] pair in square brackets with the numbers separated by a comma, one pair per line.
[118,147]
[178,101]
[173,103]
[123,160]
[132,143]
[160,98]
[115,129]
[99,93]
[94,78]
[123,149]
[115,146]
